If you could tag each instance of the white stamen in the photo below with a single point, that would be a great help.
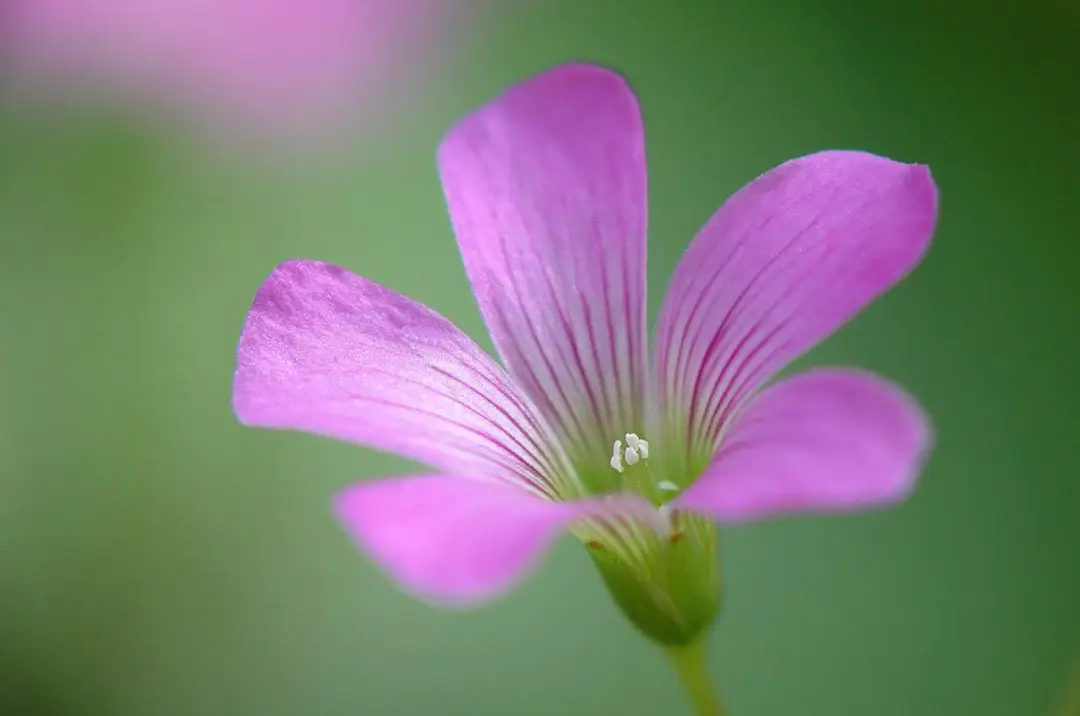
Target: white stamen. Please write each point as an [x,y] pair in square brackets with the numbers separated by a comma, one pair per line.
[616,457]
[639,445]
[667,486]
[636,451]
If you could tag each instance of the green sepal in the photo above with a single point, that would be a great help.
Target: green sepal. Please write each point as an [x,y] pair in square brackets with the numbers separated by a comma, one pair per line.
[670,588]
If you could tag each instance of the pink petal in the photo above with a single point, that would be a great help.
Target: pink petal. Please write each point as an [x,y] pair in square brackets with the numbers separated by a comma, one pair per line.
[454,540]
[328,352]
[546,191]
[784,263]
[827,440]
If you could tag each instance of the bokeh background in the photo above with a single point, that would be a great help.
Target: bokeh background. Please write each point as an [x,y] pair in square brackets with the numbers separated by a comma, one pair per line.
[157,559]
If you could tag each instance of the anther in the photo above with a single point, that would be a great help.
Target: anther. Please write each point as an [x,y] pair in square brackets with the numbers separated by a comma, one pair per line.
[636,451]
[616,457]
[640,446]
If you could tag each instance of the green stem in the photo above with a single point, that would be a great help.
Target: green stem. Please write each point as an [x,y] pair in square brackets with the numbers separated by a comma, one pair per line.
[693,670]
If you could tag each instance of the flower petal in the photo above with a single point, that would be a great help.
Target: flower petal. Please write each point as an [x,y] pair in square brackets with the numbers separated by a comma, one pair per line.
[546,191]
[826,440]
[328,352]
[784,263]
[454,540]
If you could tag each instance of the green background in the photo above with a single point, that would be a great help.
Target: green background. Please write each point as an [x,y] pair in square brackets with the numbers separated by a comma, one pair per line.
[157,559]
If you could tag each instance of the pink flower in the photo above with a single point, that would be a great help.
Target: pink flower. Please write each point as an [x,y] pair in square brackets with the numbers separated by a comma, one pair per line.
[253,62]
[637,457]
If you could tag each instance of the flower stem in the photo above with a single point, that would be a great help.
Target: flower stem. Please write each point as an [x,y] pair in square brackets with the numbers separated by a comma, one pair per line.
[693,670]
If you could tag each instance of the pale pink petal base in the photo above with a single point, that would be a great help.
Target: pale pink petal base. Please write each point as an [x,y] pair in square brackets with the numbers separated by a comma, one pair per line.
[458,541]
[825,441]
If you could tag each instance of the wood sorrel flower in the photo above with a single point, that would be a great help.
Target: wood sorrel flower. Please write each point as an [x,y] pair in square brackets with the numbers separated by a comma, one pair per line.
[637,458]
[252,64]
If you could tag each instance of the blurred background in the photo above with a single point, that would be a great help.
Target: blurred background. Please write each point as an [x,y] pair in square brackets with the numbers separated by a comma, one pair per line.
[156,559]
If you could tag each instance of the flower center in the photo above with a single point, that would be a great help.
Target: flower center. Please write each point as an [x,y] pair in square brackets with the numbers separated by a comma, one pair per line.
[632,462]
[636,450]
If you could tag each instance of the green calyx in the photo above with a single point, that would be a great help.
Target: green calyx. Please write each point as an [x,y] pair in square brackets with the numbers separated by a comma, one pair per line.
[660,566]
[667,584]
